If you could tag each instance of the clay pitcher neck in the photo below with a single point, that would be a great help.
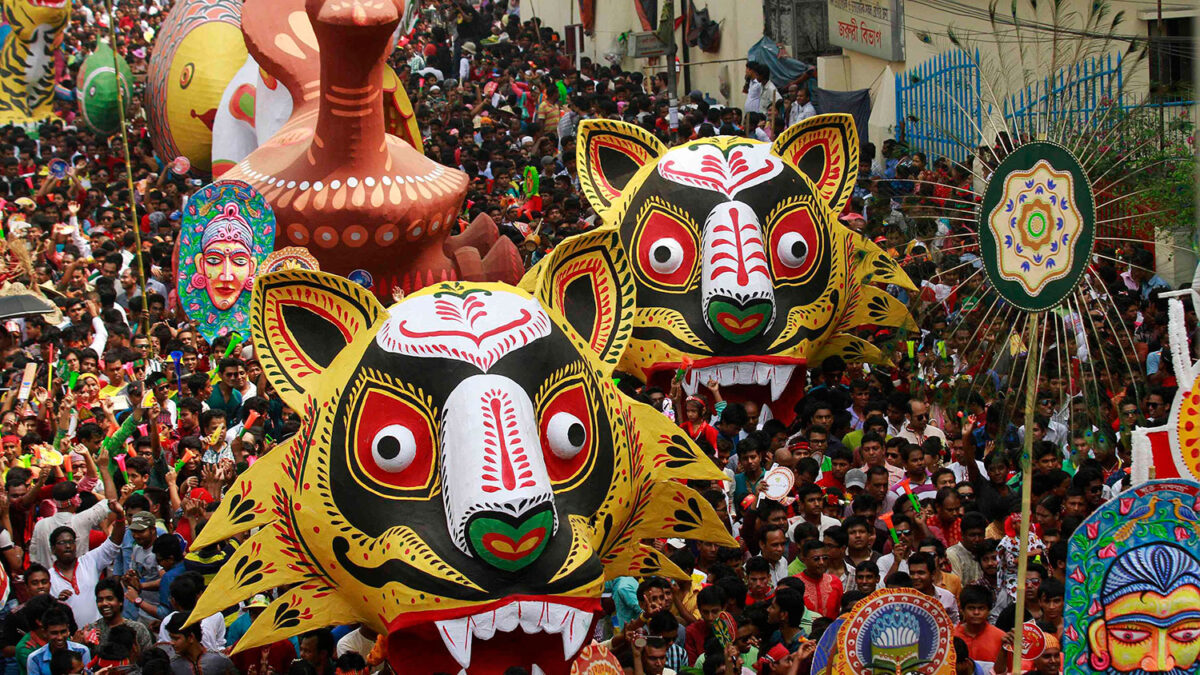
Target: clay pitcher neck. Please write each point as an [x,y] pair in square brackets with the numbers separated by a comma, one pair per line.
[350,124]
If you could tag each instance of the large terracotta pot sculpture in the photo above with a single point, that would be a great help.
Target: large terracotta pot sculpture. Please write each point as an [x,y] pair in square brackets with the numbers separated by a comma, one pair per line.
[364,202]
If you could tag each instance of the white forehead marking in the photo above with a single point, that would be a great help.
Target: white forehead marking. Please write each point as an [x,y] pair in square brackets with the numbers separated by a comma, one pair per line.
[479,327]
[706,167]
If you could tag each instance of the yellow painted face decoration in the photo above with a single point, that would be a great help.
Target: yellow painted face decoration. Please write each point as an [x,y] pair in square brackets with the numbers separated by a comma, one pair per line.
[203,65]
[1151,617]
[1151,633]
[467,474]
[197,52]
[742,270]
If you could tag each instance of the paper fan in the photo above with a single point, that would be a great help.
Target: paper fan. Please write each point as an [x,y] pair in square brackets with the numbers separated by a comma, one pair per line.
[1034,642]
[725,629]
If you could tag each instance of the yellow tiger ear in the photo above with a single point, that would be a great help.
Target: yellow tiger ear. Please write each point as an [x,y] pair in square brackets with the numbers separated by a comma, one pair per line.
[824,148]
[587,279]
[608,154]
[301,320]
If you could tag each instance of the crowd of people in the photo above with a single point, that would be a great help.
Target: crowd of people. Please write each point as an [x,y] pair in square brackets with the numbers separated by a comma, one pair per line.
[905,476]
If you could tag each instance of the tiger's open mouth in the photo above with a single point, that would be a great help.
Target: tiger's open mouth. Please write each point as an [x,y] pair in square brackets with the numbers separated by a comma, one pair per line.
[541,635]
[50,4]
[776,381]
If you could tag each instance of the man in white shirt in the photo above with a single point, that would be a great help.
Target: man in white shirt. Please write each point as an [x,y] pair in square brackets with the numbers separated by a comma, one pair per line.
[185,591]
[212,631]
[772,542]
[1056,430]
[464,63]
[918,427]
[66,496]
[920,569]
[801,107]
[761,94]
[361,641]
[73,579]
[897,560]
[753,91]
[811,501]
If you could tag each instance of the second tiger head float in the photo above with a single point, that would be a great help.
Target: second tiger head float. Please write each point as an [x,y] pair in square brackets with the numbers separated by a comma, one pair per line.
[743,272]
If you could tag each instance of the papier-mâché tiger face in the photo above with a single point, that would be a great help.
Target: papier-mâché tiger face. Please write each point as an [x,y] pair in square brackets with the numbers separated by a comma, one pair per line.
[740,264]
[467,474]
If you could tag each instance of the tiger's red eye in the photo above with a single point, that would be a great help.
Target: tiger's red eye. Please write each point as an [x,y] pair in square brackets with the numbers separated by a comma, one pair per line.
[566,432]
[794,244]
[666,249]
[394,442]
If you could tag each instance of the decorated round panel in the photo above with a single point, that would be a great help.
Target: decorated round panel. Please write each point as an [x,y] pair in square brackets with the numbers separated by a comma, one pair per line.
[896,631]
[290,258]
[1189,427]
[596,659]
[197,50]
[1037,226]
[822,659]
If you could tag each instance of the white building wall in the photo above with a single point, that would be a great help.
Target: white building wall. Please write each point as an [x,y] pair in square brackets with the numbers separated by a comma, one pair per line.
[741,26]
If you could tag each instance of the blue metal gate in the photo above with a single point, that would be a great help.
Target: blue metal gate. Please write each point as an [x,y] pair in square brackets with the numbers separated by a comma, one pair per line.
[939,109]
[1068,98]
[938,105]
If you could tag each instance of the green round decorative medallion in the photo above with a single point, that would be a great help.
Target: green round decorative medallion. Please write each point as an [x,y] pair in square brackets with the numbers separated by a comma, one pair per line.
[1037,226]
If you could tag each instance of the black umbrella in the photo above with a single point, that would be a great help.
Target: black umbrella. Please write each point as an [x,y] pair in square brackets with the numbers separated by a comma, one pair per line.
[24,304]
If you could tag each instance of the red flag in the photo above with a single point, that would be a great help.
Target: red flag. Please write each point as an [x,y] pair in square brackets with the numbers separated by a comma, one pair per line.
[587,15]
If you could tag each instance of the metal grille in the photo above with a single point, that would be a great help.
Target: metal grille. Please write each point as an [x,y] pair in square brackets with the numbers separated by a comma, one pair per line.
[802,25]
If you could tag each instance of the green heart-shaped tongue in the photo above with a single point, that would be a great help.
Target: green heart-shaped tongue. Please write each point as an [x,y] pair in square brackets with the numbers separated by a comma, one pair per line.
[738,324]
[510,547]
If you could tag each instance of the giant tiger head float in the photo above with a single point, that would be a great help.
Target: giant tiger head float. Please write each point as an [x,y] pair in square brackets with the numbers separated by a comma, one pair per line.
[31,33]
[467,474]
[26,17]
[741,267]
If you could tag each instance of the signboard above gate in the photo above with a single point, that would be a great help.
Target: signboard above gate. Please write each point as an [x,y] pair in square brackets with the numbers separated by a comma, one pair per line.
[647,45]
[872,27]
